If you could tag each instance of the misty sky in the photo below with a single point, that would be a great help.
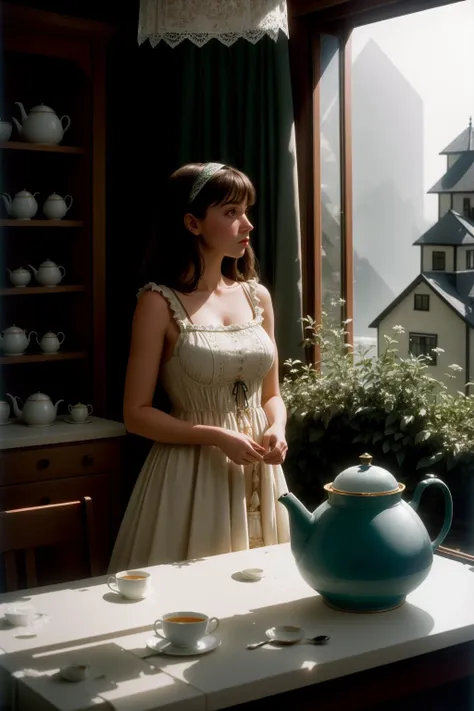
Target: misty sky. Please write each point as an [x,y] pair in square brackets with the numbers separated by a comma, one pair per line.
[434,50]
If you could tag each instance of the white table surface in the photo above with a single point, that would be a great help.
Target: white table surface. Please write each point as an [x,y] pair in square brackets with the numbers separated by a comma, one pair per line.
[91,624]
[17,434]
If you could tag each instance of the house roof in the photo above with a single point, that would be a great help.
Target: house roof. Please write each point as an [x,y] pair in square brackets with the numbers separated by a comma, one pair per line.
[459,178]
[444,285]
[451,229]
[463,142]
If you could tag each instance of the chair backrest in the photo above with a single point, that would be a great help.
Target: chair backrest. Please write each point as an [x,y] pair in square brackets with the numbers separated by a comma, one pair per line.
[28,529]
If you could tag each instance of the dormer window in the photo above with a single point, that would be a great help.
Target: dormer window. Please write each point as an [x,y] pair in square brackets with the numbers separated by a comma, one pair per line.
[439,261]
[470,259]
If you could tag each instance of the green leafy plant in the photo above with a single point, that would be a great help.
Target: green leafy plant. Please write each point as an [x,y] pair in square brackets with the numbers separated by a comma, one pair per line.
[353,401]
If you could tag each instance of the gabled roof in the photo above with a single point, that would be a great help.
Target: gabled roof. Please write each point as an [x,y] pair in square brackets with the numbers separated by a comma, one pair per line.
[463,142]
[444,285]
[451,229]
[459,178]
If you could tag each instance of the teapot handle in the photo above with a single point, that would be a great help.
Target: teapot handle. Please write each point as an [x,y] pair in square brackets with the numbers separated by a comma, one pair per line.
[448,506]
[68,122]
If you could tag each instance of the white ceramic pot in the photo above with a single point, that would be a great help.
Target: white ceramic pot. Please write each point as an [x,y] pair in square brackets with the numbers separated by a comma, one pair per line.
[55,207]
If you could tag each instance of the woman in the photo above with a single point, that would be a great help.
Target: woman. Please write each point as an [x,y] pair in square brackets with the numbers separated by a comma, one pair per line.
[204,330]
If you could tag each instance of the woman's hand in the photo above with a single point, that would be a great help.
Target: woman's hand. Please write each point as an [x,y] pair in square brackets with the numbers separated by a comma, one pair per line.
[274,443]
[240,448]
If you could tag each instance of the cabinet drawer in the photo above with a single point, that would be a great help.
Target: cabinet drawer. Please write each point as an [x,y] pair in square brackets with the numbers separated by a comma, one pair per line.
[59,461]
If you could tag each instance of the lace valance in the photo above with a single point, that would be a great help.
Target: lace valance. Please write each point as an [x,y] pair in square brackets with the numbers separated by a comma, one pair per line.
[201,20]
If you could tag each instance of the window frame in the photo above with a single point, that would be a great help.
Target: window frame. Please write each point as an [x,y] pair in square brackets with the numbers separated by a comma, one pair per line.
[417,334]
[438,253]
[422,298]
[469,259]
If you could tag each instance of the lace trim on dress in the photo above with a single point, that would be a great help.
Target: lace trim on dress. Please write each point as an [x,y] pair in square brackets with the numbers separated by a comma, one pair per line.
[176,308]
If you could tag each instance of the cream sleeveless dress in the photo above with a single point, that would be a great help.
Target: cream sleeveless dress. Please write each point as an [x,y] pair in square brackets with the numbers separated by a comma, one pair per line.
[191,501]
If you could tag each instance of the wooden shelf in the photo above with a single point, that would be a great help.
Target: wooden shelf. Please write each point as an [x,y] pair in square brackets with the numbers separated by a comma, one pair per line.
[41,223]
[42,357]
[27,290]
[23,146]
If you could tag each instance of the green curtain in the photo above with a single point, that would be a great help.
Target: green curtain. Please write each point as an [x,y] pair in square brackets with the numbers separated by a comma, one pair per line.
[234,105]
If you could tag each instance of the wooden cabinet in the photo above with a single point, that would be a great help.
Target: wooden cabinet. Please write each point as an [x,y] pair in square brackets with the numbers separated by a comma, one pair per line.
[66,472]
[58,61]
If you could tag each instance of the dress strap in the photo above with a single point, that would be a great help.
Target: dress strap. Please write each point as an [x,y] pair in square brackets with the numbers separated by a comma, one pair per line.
[177,309]
[250,290]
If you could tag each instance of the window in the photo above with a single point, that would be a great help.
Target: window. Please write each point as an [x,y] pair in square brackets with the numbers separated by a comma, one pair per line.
[439,261]
[466,207]
[422,344]
[422,302]
[470,259]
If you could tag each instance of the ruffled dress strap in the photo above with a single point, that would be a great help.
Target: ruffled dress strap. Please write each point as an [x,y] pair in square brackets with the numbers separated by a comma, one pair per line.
[177,309]
[250,288]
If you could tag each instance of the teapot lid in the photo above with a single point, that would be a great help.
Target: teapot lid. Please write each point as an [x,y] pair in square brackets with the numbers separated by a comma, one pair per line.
[23,193]
[38,397]
[49,334]
[14,329]
[41,109]
[48,263]
[365,478]
[20,269]
[54,196]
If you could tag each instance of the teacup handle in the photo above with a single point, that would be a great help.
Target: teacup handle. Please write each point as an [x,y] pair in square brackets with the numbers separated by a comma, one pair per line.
[212,625]
[69,407]
[112,581]
[90,409]
[158,622]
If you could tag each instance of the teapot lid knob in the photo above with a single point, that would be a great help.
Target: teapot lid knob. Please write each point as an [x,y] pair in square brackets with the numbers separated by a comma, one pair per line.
[366,459]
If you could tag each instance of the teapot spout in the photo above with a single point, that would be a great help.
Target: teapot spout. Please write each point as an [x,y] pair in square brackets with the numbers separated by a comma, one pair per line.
[17,124]
[300,522]
[35,271]
[16,409]
[56,406]
[22,112]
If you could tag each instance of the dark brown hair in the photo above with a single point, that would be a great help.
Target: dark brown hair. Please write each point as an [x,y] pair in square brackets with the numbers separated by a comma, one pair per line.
[174,257]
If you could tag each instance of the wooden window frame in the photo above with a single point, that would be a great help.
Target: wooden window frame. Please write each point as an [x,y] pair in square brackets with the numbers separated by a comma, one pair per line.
[437,255]
[470,259]
[419,300]
[434,336]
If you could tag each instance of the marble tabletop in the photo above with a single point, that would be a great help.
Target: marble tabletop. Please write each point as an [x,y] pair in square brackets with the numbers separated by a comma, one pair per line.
[16,434]
[86,622]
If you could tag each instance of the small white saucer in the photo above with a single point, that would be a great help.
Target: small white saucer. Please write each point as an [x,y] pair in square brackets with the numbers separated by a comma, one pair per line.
[252,573]
[73,422]
[206,644]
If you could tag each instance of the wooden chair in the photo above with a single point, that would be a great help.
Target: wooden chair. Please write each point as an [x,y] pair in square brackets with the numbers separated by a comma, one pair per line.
[26,530]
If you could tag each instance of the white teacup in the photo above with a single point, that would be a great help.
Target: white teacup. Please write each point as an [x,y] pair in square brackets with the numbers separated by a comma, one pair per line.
[80,412]
[185,629]
[22,615]
[134,584]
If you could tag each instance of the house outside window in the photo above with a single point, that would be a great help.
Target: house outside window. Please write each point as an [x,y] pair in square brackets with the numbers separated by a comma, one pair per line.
[422,302]
[470,259]
[422,344]
[439,261]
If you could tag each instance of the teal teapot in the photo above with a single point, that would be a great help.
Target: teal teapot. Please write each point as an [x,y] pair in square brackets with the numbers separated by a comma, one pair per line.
[364,549]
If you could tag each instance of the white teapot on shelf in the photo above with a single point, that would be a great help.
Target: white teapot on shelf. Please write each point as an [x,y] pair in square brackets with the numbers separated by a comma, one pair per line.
[14,340]
[55,207]
[4,412]
[19,277]
[48,273]
[5,130]
[41,125]
[38,410]
[51,342]
[23,206]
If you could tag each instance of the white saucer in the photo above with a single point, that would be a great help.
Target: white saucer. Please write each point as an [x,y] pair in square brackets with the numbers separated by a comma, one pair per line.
[73,422]
[252,574]
[207,644]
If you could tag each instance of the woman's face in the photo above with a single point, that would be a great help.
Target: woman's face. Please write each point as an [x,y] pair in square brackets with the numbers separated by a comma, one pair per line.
[225,230]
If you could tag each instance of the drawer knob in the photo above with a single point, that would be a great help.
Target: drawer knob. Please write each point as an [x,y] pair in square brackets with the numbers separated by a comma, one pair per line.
[87,460]
[42,464]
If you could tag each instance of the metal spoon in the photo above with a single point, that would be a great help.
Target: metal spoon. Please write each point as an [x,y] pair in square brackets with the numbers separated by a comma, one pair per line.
[319,639]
